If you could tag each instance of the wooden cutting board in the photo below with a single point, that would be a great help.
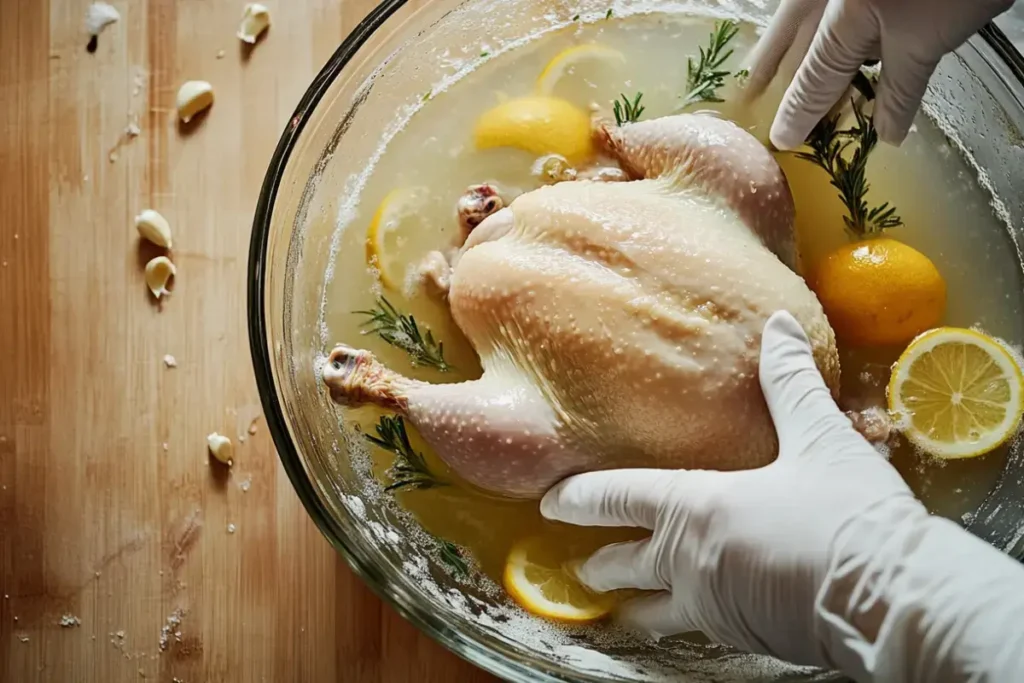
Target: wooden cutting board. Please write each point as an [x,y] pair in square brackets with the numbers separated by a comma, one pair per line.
[110,514]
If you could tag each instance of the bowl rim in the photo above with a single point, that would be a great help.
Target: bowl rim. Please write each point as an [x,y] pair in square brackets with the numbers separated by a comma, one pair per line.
[427,622]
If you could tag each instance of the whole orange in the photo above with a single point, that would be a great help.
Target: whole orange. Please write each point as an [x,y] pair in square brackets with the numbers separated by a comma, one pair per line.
[879,292]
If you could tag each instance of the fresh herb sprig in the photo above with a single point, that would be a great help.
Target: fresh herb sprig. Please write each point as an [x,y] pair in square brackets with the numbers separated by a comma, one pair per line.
[452,556]
[626,111]
[829,150]
[409,471]
[402,331]
[704,74]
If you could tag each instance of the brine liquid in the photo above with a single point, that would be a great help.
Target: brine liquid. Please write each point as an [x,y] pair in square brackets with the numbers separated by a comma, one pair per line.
[946,213]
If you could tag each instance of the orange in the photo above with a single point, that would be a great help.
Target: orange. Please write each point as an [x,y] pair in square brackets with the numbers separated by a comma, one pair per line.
[879,292]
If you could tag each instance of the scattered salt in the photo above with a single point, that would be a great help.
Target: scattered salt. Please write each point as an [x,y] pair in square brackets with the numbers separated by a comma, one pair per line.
[171,627]
[69,621]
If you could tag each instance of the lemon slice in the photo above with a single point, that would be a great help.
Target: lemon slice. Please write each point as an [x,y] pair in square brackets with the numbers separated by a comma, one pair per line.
[956,393]
[384,238]
[572,57]
[537,124]
[542,585]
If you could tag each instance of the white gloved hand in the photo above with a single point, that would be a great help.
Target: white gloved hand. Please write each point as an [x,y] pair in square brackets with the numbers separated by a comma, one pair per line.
[823,557]
[837,36]
[742,556]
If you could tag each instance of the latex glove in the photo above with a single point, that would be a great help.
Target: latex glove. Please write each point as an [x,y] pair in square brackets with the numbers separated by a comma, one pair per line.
[836,36]
[823,557]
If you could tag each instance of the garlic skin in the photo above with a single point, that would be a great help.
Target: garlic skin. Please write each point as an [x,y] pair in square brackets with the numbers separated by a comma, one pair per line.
[193,97]
[255,20]
[99,16]
[159,272]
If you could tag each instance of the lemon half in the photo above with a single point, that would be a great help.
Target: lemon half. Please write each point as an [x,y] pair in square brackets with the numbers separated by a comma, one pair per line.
[542,585]
[537,124]
[572,57]
[956,393]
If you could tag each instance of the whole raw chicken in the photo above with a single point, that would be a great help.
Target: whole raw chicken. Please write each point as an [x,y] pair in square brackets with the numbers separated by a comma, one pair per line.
[618,323]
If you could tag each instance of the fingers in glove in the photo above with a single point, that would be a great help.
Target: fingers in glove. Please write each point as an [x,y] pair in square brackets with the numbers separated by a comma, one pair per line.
[656,616]
[800,404]
[610,498]
[791,30]
[841,45]
[901,87]
[622,565]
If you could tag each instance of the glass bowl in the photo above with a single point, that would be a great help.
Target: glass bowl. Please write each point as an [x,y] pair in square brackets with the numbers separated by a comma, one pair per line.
[378,75]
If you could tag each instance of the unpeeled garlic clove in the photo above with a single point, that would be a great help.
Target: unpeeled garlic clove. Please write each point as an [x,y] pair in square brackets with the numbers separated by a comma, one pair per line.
[255,20]
[220,448]
[193,97]
[154,227]
[159,272]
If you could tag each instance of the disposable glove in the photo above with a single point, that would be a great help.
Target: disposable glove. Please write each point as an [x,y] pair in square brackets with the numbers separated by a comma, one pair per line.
[836,36]
[823,557]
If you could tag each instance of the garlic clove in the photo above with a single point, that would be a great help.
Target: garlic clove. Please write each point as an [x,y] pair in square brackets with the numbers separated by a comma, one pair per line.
[255,20]
[98,16]
[193,97]
[220,448]
[154,227]
[159,272]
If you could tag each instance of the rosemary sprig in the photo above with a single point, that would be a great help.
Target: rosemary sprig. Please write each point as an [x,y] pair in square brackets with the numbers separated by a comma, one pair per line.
[704,75]
[626,111]
[829,147]
[409,471]
[452,556]
[403,332]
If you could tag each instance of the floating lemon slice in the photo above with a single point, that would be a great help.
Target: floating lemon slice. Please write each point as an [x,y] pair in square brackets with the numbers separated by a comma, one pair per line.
[384,237]
[956,393]
[542,585]
[537,124]
[574,56]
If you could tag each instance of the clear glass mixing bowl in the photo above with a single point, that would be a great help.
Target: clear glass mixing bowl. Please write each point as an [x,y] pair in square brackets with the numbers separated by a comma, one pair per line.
[377,75]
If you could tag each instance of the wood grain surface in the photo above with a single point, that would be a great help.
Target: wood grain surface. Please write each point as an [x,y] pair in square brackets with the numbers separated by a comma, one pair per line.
[110,511]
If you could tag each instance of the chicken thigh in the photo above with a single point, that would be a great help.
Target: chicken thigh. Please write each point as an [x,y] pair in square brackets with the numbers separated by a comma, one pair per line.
[618,324]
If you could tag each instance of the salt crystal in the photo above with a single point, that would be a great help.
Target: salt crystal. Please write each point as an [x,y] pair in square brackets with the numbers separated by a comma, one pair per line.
[170,361]
[69,621]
